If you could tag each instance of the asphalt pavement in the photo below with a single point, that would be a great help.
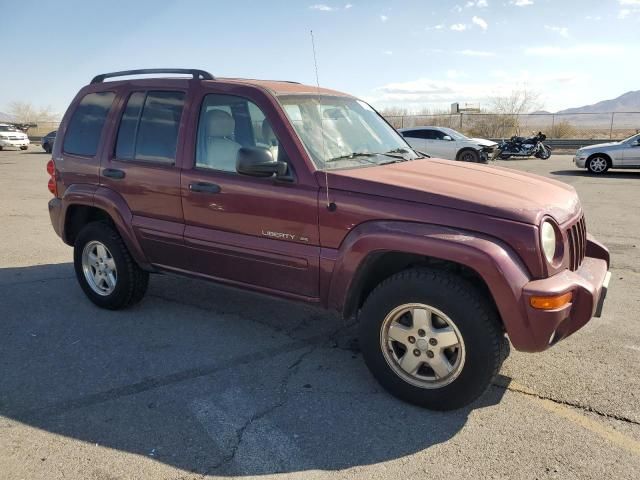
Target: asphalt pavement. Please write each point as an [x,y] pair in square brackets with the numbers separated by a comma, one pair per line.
[203,381]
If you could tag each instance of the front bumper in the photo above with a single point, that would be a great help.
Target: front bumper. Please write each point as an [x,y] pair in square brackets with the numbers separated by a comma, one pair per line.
[580,160]
[588,284]
[14,143]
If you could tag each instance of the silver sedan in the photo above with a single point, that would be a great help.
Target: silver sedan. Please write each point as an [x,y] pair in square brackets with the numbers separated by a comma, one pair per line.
[603,156]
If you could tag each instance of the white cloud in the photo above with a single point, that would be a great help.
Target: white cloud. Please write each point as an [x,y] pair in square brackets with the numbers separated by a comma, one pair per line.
[624,13]
[476,53]
[522,3]
[457,8]
[562,31]
[629,2]
[458,27]
[387,52]
[480,22]
[384,18]
[576,50]
[455,74]
[479,4]
[322,7]
[435,27]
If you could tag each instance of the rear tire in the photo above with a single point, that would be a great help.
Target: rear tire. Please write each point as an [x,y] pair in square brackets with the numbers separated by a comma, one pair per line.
[105,269]
[23,148]
[598,164]
[453,307]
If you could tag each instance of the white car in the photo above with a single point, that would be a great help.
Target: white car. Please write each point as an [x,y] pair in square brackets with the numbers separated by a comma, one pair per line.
[603,156]
[10,136]
[442,142]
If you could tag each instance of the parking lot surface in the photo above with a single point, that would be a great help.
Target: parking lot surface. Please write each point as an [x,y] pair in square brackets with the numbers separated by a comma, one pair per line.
[202,381]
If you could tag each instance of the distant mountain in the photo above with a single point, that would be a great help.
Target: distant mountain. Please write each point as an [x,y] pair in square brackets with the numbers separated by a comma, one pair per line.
[627,102]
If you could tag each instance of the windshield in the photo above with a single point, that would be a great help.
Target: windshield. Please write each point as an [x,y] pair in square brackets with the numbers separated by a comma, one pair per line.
[632,138]
[7,128]
[453,133]
[350,133]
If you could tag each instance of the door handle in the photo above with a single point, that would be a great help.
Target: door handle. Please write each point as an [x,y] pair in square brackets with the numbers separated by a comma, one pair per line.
[113,173]
[203,187]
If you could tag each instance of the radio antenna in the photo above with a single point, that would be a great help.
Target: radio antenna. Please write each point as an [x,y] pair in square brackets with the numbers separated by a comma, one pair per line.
[330,205]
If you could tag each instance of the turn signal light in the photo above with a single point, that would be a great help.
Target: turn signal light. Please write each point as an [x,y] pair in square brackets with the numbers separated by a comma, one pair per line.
[551,303]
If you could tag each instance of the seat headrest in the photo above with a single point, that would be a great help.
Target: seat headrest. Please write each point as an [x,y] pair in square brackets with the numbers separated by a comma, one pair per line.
[219,124]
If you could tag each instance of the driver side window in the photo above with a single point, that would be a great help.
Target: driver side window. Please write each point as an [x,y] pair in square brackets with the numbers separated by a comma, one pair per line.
[228,123]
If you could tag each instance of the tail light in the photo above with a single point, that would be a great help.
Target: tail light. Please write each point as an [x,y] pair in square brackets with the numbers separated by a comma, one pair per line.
[51,170]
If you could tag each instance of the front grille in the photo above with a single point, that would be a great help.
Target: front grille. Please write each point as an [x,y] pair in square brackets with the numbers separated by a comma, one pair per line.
[577,237]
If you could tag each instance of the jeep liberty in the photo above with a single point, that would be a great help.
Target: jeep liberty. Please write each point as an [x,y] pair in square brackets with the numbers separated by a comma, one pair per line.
[309,194]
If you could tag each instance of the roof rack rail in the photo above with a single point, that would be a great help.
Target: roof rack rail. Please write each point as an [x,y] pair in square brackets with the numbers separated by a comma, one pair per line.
[263,80]
[197,74]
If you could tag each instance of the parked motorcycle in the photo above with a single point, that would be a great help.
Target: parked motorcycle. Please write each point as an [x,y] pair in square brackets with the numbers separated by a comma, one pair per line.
[523,147]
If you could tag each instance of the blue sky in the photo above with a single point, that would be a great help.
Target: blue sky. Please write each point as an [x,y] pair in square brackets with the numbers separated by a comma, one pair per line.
[415,54]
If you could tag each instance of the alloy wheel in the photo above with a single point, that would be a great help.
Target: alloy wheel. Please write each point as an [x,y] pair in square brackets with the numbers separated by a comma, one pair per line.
[422,345]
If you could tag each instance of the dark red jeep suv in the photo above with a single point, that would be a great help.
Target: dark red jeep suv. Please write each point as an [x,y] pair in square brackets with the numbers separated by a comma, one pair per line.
[309,194]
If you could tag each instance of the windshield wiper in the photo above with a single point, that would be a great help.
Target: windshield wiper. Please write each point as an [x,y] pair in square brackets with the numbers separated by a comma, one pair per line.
[351,156]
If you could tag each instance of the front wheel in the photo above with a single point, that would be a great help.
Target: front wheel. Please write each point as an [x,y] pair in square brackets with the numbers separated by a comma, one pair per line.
[597,165]
[469,156]
[105,269]
[544,153]
[431,339]
[23,148]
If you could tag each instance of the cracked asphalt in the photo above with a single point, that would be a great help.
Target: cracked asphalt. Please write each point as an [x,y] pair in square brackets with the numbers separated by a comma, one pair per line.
[202,381]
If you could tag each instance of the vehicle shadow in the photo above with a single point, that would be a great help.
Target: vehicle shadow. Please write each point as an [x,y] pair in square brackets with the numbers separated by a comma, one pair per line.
[203,378]
[610,174]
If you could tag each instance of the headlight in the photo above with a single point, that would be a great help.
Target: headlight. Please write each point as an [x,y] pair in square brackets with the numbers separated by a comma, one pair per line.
[548,240]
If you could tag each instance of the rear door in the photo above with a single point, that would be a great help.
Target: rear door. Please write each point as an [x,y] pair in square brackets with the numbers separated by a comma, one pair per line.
[256,232]
[417,139]
[142,166]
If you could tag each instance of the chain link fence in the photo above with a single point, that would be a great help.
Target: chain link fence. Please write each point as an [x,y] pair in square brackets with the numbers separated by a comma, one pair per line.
[585,126]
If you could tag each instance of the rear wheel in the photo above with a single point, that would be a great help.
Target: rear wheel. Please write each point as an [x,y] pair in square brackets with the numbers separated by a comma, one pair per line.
[430,339]
[598,164]
[105,269]
[469,156]
[23,148]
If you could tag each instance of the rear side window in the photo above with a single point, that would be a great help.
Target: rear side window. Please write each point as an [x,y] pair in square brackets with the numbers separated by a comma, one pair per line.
[85,128]
[149,127]
[424,134]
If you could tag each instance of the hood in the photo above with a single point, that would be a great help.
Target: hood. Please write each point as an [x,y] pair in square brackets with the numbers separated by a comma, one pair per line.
[484,142]
[483,189]
[598,146]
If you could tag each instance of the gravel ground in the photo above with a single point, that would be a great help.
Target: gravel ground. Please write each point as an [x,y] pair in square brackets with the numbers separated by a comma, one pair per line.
[201,381]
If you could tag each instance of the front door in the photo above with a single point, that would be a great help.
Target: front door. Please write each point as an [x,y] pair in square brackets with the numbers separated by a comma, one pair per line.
[631,154]
[255,232]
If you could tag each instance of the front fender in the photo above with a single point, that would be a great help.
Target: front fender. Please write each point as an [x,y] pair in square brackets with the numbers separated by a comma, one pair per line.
[495,262]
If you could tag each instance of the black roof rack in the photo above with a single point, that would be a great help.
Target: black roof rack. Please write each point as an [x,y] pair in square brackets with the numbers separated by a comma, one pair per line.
[197,74]
[263,80]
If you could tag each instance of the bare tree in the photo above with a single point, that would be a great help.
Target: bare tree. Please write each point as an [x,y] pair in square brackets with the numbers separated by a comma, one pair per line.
[25,112]
[507,110]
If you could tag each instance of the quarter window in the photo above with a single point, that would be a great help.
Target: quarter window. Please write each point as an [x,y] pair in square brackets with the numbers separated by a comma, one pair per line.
[85,127]
[149,127]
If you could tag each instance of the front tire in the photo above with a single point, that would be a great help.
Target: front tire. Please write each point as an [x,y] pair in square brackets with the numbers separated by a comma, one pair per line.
[430,338]
[469,156]
[23,148]
[598,164]
[105,269]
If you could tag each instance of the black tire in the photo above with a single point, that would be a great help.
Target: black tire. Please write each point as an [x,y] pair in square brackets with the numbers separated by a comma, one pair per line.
[476,320]
[47,148]
[132,281]
[468,155]
[594,163]
[1,148]
[504,156]
[24,148]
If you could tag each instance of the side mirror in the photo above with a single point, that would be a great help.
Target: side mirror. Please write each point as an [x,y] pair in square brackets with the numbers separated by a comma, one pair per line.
[448,138]
[258,162]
